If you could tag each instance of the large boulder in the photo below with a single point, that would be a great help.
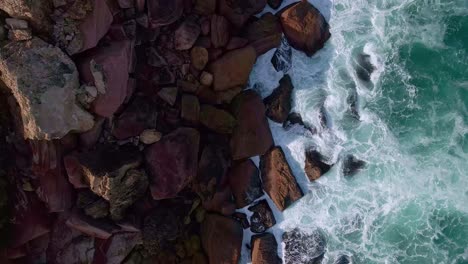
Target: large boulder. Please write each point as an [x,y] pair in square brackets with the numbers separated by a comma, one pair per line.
[44,82]
[163,12]
[278,180]
[252,135]
[278,103]
[303,248]
[305,27]
[221,239]
[233,68]
[107,68]
[244,180]
[172,162]
[314,166]
[265,249]
[110,173]
[217,119]
[262,217]
[35,12]
[239,11]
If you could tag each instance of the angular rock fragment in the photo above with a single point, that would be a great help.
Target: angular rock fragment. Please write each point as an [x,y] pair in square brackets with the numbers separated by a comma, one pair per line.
[278,180]
[233,68]
[305,27]
[222,239]
[163,12]
[172,162]
[186,34]
[264,249]
[252,135]
[303,248]
[314,166]
[238,12]
[244,180]
[102,229]
[216,119]
[278,103]
[219,31]
[44,82]
[262,217]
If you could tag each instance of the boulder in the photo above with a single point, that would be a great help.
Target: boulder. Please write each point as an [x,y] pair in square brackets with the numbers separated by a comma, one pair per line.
[352,165]
[275,4]
[111,174]
[267,25]
[172,162]
[35,12]
[219,31]
[278,180]
[217,120]
[244,180]
[190,109]
[44,88]
[252,135]
[239,11]
[264,249]
[169,94]
[314,166]
[163,12]
[205,7]
[233,68]
[278,103]
[222,239]
[186,34]
[107,69]
[305,27]
[139,115]
[199,57]
[101,229]
[262,217]
[303,248]
[282,58]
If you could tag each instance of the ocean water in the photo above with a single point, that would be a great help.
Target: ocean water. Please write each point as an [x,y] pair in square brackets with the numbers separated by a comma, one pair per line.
[409,123]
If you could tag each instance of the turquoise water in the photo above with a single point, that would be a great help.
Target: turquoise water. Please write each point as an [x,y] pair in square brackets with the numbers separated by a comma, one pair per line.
[410,203]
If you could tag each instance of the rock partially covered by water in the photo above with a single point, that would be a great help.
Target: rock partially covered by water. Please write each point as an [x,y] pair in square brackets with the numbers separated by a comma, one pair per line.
[264,249]
[343,259]
[364,67]
[222,239]
[278,103]
[282,57]
[262,217]
[304,248]
[172,162]
[278,180]
[314,166]
[244,180]
[44,81]
[305,27]
[352,165]
[36,12]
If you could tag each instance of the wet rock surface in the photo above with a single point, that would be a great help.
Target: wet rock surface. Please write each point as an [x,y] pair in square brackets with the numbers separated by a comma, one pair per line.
[314,165]
[278,103]
[262,217]
[352,165]
[304,248]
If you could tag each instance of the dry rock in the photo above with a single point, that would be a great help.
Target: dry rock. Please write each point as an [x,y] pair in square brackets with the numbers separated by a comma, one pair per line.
[150,136]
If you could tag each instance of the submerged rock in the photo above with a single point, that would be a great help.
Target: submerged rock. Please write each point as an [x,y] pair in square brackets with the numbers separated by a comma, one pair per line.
[303,248]
[305,27]
[44,82]
[278,103]
[343,259]
[352,165]
[278,180]
[264,249]
[364,67]
[314,166]
[262,217]
[282,57]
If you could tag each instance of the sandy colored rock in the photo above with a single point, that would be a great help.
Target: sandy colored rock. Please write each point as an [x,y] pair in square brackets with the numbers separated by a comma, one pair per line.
[150,136]
[206,78]
[199,57]
[44,82]
[36,12]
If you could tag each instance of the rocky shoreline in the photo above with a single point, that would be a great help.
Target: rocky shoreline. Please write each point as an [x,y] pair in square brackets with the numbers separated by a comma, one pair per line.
[132,130]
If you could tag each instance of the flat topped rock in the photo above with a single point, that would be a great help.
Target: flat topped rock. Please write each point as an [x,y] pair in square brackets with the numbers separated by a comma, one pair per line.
[44,82]
[278,180]
[264,249]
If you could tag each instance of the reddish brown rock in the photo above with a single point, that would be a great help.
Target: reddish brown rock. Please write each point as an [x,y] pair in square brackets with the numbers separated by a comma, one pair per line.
[262,217]
[186,34]
[138,116]
[278,180]
[267,25]
[305,28]
[190,108]
[265,44]
[236,43]
[314,166]
[172,162]
[252,136]
[265,249]
[239,11]
[92,227]
[199,57]
[204,7]
[113,62]
[218,120]
[233,68]
[244,180]
[222,239]
[163,12]
[219,31]
[278,103]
